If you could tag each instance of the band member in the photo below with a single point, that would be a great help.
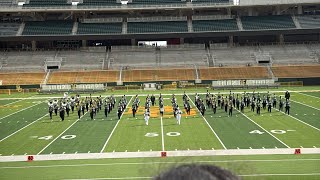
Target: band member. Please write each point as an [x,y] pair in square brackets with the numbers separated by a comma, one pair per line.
[55,106]
[287,107]
[178,115]
[79,109]
[287,95]
[50,104]
[153,99]
[134,109]
[161,108]
[147,116]
[61,110]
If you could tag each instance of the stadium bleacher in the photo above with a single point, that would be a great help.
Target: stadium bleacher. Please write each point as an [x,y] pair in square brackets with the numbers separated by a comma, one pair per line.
[99,3]
[267,22]
[157,27]
[22,78]
[215,25]
[301,71]
[210,1]
[47,3]
[47,27]
[6,2]
[100,28]
[234,73]
[311,21]
[9,28]
[155,2]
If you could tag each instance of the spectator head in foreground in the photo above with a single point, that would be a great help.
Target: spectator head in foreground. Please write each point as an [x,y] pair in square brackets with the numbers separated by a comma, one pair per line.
[196,172]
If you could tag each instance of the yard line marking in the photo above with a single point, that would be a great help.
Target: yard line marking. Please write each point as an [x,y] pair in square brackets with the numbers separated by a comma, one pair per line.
[263,148]
[298,120]
[209,125]
[238,148]
[12,154]
[305,105]
[63,152]
[88,151]
[314,147]
[22,128]
[162,136]
[61,133]
[14,102]
[112,178]
[25,153]
[308,95]
[301,146]
[126,151]
[156,162]
[19,111]
[51,152]
[105,144]
[212,148]
[264,129]
[250,147]
[276,147]
[307,174]
[242,175]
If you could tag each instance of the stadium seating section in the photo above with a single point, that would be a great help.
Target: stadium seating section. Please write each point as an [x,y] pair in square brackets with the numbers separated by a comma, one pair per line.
[234,73]
[158,75]
[21,78]
[47,3]
[99,28]
[267,22]
[296,71]
[151,2]
[9,29]
[48,27]
[309,21]
[99,3]
[83,77]
[157,27]
[210,1]
[215,25]
[6,2]
[144,75]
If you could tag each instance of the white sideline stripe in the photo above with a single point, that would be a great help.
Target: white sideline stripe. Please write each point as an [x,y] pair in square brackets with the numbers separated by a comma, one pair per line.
[158,162]
[304,174]
[162,136]
[112,178]
[23,128]
[305,105]
[20,110]
[298,120]
[208,124]
[236,92]
[264,129]
[61,134]
[105,144]
[242,175]
[308,95]
[14,102]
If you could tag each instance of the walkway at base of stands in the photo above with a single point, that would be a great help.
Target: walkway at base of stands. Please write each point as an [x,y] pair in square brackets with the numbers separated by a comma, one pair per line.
[144,75]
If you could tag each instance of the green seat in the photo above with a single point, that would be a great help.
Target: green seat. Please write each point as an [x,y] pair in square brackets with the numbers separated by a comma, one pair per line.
[215,25]
[157,27]
[48,28]
[100,28]
[267,22]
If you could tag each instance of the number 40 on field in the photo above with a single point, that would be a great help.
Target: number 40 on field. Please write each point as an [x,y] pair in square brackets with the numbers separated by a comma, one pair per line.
[275,131]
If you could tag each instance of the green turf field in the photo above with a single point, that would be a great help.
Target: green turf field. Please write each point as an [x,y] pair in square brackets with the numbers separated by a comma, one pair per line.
[26,130]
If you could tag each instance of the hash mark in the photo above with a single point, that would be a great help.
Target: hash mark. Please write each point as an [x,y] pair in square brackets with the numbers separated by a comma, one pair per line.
[200,149]
[250,147]
[126,150]
[25,153]
[138,150]
[176,150]
[150,149]
[0,154]
[76,152]
[88,151]
[212,148]
[17,121]
[263,148]
[276,147]
[114,151]
[313,146]
[301,146]
[51,152]
[63,152]
[12,154]
[188,149]
[238,148]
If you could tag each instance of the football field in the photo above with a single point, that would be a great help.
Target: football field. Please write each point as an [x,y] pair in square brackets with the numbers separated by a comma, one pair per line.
[26,130]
